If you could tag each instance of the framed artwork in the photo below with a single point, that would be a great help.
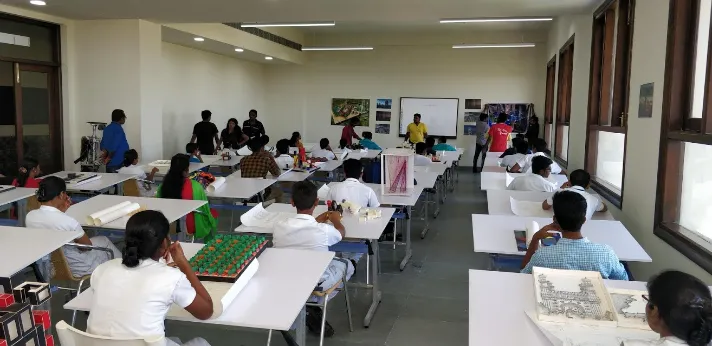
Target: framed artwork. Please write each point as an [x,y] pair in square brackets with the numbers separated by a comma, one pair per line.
[384,103]
[383,116]
[645,103]
[347,109]
[383,129]
[473,103]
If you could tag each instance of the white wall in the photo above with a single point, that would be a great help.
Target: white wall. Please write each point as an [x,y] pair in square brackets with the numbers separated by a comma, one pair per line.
[299,97]
[195,80]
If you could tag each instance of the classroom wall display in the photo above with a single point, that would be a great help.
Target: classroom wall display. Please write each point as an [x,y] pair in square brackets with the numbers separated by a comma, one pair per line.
[384,103]
[347,109]
[470,130]
[518,114]
[645,108]
[397,171]
[383,129]
[473,103]
[383,116]
[472,117]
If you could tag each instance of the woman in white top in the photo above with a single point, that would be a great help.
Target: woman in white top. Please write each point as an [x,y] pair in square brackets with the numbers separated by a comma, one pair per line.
[679,309]
[52,195]
[133,294]
[131,167]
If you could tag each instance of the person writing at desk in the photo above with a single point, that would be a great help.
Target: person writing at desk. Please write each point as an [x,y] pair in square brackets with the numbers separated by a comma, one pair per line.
[416,131]
[114,143]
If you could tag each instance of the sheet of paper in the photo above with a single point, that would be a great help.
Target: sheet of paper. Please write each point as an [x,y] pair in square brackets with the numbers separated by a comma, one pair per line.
[508,179]
[575,334]
[343,155]
[244,151]
[528,208]
[323,192]
[91,219]
[116,214]
[219,182]
[259,217]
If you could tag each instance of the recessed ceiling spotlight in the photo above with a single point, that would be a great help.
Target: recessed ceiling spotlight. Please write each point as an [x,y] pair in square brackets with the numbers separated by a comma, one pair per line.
[199,39]
[239,50]
[267,25]
[495,20]
[268,58]
[38,2]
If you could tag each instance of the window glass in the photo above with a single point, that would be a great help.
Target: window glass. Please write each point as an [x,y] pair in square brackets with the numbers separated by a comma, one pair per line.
[695,201]
[41,40]
[703,34]
[609,161]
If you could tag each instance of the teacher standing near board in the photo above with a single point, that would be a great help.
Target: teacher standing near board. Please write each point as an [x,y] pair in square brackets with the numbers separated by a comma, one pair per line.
[416,131]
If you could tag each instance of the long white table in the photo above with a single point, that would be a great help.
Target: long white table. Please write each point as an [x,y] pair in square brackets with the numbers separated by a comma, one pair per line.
[492,160]
[272,299]
[498,181]
[494,169]
[358,155]
[236,187]
[106,181]
[497,306]
[163,170]
[494,234]
[216,160]
[20,195]
[20,246]
[498,203]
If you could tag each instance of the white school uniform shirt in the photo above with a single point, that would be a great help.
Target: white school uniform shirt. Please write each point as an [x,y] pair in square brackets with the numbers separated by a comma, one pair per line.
[324,154]
[593,204]
[532,182]
[140,174]
[47,217]
[133,302]
[354,191]
[666,341]
[527,167]
[510,160]
[421,160]
[303,232]
[284,161]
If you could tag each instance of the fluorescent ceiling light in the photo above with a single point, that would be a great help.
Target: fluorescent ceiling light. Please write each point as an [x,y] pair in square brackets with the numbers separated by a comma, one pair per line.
[335,48]
[495,20]
[38,2]
[267,25]
[199,39]
[239,50]
[506,45]
[268,58]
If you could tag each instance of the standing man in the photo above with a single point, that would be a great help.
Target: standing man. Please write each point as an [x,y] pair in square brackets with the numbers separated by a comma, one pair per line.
[416,131]
[205,132]
[114,143]
[253,127]
[348,133]
[481,130]
[500,134]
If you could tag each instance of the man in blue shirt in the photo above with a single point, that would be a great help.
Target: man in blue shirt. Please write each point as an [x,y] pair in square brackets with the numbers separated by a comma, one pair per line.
[367,141]
[573,251]
[114,141]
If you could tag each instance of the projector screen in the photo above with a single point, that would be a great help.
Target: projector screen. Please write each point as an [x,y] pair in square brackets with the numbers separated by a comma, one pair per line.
[439,114]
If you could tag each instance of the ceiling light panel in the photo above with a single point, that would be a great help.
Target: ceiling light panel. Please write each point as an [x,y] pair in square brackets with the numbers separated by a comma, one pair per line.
[267,25]
[495,20]
[335,48]
[495,45]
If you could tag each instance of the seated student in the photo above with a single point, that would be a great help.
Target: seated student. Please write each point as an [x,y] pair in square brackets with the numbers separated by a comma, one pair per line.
[325,151]
[133,294]
[352,189]
[52,195]
[176,185]
[573,251]
[283,159]
[343,145]
[28,172]
[305,232]
[420,158]
[131,167]
[429,145]
[679,309]
[514,161]
[512,150]
[579,181]
[192,150]
[259,163]
[367,141]
[537,180]
[296,140]
[539,148]
[443,146]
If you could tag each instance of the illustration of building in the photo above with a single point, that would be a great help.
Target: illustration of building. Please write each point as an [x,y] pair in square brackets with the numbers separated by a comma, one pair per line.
[584,304]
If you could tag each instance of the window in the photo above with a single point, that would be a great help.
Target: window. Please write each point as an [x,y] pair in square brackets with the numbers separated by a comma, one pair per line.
[684,207]
[549,101]
[609,96]
[563,107]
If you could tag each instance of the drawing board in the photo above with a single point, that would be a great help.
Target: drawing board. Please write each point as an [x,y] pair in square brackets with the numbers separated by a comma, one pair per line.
[630,308]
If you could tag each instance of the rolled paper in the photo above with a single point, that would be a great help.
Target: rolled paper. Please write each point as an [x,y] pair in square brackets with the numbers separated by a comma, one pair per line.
[532,228]
[92,217]
[116,214]
[219,182]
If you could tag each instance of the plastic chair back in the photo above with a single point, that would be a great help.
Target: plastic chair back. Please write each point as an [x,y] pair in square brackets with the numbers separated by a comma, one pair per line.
[69,336]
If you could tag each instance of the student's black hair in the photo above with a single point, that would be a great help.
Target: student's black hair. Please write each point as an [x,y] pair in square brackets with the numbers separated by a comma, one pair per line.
[417,115]
[145,233]
[304,195]
[540,146]
[130,156]
[684,304]
[206,114]
[172,186]
[342,143]
[420,148]
[516,140]
[580,177]
[28,164]
[442,139]
[283,146]
[353,168]
[253,111]
[569,210]
[117,115]
[232,120]
[257,142]
[50,188]
[521,147]
[295,138]
[323,143]
[367,135]
[483,116]
[540,163]
[190,148]
[502,118]
[429,142]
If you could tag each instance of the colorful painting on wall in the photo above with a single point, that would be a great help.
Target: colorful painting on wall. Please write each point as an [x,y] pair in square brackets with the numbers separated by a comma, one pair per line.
[645,103]
[384,103]
[470,130]
[346,109]
[518,114]
[473,103]
[383,129]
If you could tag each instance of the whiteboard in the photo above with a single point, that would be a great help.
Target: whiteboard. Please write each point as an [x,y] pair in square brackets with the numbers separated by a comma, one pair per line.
[439,114]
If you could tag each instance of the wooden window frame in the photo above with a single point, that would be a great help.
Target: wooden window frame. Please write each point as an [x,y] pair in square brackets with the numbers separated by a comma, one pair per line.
[678,127]
[609,93]
[563,101]
[549,98]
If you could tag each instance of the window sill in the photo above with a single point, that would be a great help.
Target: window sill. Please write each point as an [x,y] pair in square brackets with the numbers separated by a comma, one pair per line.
[608,192]
[671,234]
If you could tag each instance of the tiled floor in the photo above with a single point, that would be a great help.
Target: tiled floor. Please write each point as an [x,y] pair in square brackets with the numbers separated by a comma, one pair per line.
[426,304]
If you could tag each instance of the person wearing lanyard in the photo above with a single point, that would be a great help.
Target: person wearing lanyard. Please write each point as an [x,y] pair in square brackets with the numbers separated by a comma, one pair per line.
[417,131]
[348,133]
[232,135]
[253,127]
[114,143]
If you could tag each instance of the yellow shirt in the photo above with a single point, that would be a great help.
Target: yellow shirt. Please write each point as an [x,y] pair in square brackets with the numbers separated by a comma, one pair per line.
[417,132]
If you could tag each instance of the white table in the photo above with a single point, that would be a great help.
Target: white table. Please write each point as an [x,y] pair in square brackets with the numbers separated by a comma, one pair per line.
[236,187]
[20,247]
[429,180]
[163,170]
[494,169]
[293,176]
[272,299]
[435,167]
[107,180]
[216,160]
[355,229]
[358,155]
[497,306]
[497,181]
[492,160]
[330,166]
[494,234]
[498,203]
[19,195]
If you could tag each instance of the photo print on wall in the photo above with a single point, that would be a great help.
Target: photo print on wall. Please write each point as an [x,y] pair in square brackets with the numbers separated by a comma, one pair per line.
[472,117]
[383,116]
[347,109]
[383,129]
[470,130]
[645,107]
[473,103]
[384,103]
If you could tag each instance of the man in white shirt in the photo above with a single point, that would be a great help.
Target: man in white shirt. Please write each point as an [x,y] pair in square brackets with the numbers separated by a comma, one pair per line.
[351,189]
[325,152]
[539,149]
[516,160]
[579,181]
[420,158]
[536,181]
[305,232]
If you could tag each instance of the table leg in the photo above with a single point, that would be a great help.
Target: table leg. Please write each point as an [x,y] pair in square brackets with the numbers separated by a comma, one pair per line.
[427,220]
[120,189]
[183,235]
[437,200]
[21,212]
[376,291]
[408,252]
[443,183]
[302,327]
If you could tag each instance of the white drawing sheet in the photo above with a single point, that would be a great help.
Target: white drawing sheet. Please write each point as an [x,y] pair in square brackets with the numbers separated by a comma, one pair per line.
[244,151]
[508,179]
[160,163]
[259,217]
[110,214]
[630,308]
[218,183]
[323,192]
[528,208]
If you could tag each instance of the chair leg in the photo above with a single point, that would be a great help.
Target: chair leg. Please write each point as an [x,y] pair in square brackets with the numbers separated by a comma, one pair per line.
[323,321]
[368,268]
[348,306]
[79,291]
[395,232]
[269,337]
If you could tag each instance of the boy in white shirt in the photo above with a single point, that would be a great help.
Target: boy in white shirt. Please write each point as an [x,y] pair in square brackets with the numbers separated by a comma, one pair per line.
[420,158]
[325,152]
[352,189]
[536,181]
[131,167]
[305,232]
[539,148]
[516,160]
[579,181]
[283,159]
